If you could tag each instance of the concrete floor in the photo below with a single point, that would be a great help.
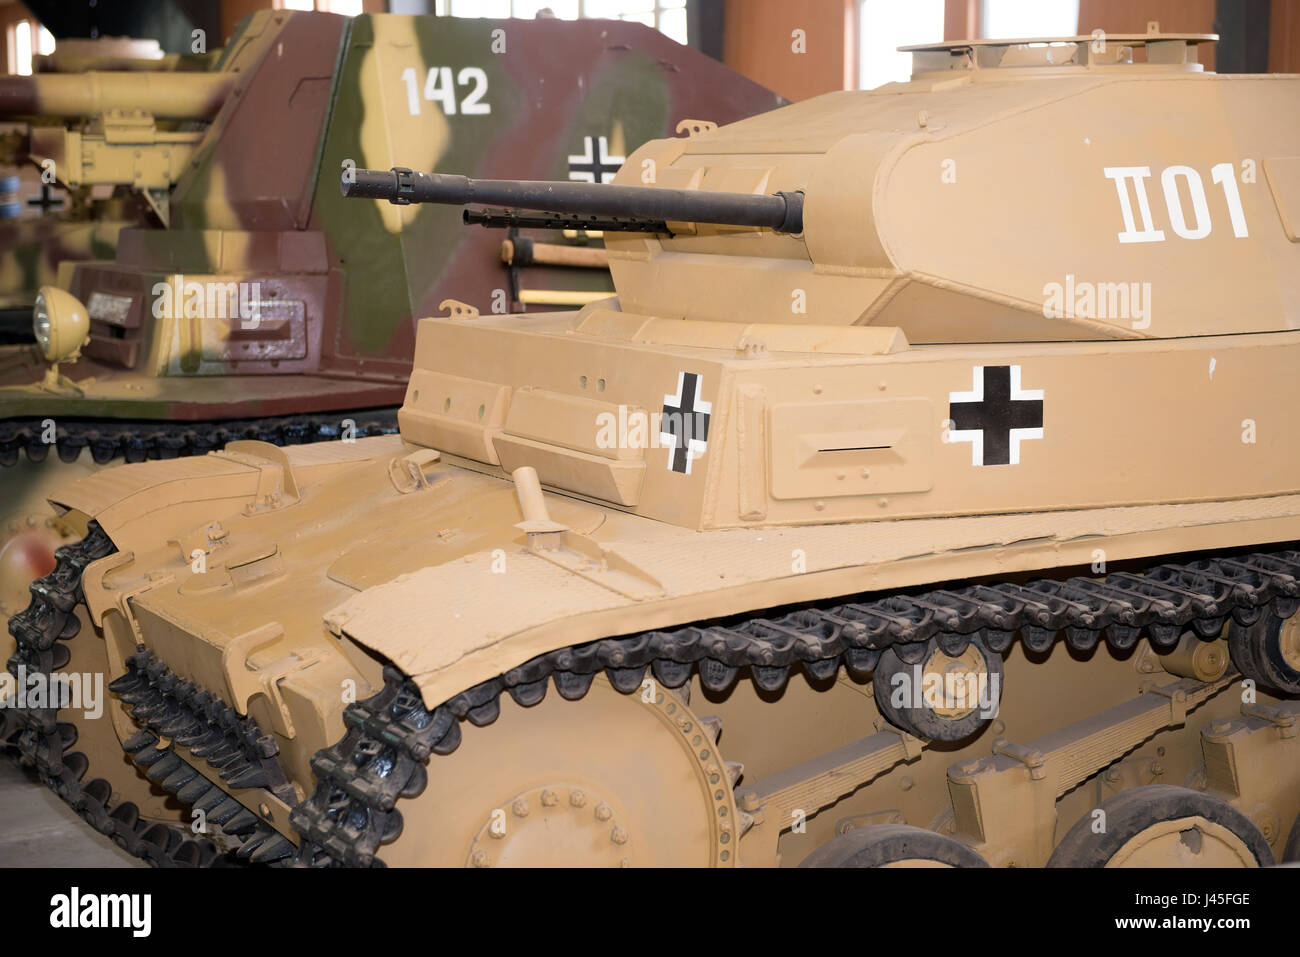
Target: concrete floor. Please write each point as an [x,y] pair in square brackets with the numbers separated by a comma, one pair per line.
[38,830]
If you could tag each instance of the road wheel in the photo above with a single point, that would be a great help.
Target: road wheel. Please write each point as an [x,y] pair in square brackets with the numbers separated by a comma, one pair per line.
[943,697]
[893,845]
[1163,826]
[612,780]
[1268,651]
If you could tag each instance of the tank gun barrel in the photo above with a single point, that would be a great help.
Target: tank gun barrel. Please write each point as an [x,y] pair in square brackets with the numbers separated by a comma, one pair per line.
[636,208]
[180,96]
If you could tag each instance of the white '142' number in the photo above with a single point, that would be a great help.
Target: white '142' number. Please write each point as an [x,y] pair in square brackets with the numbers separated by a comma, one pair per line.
[438,89]
[1199,225]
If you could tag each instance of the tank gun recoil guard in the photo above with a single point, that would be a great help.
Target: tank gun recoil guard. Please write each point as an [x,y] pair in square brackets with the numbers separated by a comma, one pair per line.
[517,219]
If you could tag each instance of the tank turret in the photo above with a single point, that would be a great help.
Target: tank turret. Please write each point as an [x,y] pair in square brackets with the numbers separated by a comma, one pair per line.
[994,197]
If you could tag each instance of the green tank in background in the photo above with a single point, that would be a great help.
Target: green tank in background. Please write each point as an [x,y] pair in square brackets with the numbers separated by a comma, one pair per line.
[269,307]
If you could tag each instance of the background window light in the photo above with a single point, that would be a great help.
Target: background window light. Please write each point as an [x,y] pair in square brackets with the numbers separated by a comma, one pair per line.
[22,48]
[667,16]
[1013,19]
[347,8]
[885,25]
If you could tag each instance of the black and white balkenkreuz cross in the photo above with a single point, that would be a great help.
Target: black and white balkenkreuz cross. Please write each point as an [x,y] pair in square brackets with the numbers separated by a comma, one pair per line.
[996,415]
[594,165]
[684,428]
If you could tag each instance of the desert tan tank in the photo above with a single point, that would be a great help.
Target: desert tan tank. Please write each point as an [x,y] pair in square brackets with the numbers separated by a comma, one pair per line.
[926,495]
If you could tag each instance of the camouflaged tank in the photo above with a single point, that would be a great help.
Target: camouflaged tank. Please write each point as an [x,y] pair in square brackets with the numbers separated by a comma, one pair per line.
[926,495]
[269,307]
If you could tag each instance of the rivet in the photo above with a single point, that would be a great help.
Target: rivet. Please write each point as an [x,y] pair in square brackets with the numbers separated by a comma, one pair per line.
[604,812]
[549,798]
[618,835]
[520,807]
[906,782]
[479,859]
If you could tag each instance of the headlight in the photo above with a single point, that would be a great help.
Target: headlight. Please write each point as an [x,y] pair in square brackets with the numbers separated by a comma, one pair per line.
[60,323]
[41,324]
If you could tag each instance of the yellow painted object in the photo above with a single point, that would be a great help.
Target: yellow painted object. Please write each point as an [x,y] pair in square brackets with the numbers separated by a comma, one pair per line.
[953,504]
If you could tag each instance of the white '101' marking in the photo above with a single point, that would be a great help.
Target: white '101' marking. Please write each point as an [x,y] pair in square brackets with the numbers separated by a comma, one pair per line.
[1199,225]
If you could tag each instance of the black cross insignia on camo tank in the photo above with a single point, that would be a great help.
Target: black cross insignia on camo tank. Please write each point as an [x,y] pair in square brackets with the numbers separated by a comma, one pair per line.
[996,415]
[684,428]
[46,201]
[593,165]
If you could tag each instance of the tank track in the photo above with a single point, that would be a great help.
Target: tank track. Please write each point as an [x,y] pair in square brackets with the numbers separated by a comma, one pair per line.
[136,441]
[172,707]
[44,743]
[381,758]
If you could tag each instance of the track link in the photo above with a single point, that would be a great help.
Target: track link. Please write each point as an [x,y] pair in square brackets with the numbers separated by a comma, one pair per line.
[137,441]
[352,811]
[44,743]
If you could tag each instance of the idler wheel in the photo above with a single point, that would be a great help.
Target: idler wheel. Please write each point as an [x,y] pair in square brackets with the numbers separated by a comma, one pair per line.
[942,697]
[1163,826]
[1268,651]
[893,845]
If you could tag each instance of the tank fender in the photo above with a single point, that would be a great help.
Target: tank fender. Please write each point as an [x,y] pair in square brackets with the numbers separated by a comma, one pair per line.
[144,501]
[452,625]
